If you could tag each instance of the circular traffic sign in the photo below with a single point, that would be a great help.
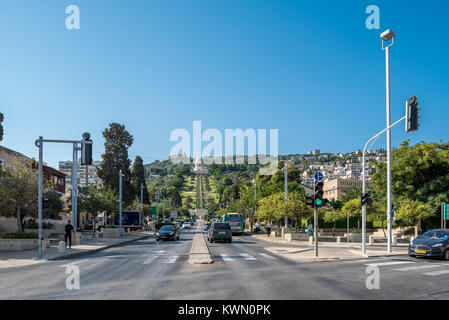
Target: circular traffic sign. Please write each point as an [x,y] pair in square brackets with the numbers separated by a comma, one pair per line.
[318,176]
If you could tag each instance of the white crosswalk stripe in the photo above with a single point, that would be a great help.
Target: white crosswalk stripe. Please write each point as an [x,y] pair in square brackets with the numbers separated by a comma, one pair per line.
[226,258]
[384,264]
[426,266]
[247,256]
[436,273]
[172,259]
[151,258]
[365,260]
[267,256]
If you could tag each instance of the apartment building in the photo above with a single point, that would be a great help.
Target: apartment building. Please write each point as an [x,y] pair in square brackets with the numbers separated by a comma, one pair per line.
[86,175]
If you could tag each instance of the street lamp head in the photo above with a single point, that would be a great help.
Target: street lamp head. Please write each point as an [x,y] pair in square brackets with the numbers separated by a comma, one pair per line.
[387,35]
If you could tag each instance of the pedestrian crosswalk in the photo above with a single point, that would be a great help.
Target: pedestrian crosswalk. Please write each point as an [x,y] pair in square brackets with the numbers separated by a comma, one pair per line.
[405,266]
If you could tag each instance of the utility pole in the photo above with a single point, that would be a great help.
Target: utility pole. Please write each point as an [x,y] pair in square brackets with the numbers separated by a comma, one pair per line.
[255,206]
[41,146]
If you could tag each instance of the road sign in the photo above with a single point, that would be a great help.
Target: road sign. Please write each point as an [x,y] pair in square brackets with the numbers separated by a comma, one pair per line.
[318,176]
[173,214]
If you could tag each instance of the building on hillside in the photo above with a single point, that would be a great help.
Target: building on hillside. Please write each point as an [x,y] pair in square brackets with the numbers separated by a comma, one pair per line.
[83,180]
[335,188]
[57,178]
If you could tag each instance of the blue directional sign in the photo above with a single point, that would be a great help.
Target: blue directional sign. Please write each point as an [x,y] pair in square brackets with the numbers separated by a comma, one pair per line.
[318,176]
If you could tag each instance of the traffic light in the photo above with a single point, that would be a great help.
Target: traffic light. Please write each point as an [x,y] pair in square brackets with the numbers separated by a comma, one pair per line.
[319,193]
[45,203]
[86,150]
[411,114]
[365,199]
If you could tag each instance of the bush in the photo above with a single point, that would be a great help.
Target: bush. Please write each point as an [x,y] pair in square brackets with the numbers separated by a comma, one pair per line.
[20,235]
[32,224]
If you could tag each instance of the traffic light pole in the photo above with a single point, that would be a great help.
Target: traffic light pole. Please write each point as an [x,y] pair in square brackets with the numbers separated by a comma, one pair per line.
[315,220]
[40,144]
[373,139]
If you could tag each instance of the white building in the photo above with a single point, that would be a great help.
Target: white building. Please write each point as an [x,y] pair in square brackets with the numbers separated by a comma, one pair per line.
[92,176]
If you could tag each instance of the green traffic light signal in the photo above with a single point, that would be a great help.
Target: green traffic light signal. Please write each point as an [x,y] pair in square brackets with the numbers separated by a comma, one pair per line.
[319,202]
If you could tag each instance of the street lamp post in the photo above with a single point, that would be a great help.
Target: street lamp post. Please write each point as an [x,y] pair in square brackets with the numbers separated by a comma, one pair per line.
[387,36]
[286,191]
[120,197]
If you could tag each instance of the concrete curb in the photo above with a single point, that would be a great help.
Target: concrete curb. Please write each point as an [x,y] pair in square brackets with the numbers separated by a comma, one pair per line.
[81,253]
[199,252]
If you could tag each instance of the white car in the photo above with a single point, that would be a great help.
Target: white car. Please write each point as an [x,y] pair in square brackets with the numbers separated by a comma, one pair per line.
[186,225]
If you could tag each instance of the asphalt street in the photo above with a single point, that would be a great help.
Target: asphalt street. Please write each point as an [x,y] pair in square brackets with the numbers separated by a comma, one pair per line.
[244,269]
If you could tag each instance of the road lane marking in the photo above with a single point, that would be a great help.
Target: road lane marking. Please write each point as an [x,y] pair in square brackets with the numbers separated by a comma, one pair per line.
[365,260]
[436,273]
[97,262]
[383,264]
[172,259]
[226,258]
[72,263]
[426,266]
[151,258]
[247,256]
[267,256]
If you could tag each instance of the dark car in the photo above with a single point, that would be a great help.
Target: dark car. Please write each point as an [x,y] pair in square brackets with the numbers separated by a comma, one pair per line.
[433,243]
[219,231]
[167,232]
[206,226]
[89,225]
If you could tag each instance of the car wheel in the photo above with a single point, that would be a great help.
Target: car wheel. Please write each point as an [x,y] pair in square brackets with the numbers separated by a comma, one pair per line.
[211,241]
[157,239]
[446,255]
[230,240]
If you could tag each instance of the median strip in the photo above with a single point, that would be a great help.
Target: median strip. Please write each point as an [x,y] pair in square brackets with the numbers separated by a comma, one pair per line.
[199,253]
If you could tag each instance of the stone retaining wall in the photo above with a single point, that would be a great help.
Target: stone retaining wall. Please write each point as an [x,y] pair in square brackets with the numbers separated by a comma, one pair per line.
[20,244]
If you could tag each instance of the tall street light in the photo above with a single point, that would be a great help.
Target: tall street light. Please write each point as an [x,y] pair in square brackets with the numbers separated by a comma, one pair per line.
[387,36]
[286,190]
[121,175]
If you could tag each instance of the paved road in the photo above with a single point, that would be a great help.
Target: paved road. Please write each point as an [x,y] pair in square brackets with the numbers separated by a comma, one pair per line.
[244,269]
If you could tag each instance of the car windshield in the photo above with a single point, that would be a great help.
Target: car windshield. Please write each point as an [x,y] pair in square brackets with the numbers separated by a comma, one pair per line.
[222,226]
[167,228]
[233,218]
[439,234]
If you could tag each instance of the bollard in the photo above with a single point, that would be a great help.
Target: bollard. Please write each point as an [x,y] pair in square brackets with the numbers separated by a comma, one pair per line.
[338,240]
[371,240]
[394,241]
[310,240]
[61,247]
[412,239]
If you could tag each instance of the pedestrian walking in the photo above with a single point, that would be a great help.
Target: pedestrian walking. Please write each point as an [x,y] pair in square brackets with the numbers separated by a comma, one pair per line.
[268,229]
[303,228]
[310,229]
[68,233]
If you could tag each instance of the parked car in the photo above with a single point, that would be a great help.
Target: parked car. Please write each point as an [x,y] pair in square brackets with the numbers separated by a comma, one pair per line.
[89,224]
[192,223]
[186,225]
[206,226]
[219,231]
[433,243]
[167,232]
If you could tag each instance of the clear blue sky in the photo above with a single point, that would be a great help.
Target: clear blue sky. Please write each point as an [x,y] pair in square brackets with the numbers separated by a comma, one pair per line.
[308,68]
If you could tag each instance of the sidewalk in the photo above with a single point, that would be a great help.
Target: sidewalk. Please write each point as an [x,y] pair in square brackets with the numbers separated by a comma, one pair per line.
[303,251]
[30,257]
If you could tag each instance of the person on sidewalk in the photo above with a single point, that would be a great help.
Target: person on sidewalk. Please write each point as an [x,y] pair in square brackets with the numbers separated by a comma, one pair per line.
[303,228]
[310,229]
[68,234]
[268,228]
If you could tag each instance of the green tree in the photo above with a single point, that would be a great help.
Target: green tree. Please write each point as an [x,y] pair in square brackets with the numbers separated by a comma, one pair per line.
[115,158]
[414,211]
[138,179]
[176,199]
[55,205]
[18,190]
[419,172]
